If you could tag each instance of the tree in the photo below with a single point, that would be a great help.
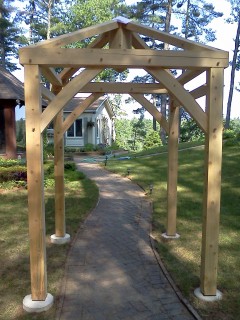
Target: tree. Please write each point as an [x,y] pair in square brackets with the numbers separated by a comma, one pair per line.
[196,15]
[10,35]
[44,18]
[152,140]
[235,64]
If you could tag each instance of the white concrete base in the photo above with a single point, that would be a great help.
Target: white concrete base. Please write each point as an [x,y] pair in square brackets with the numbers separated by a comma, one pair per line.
[60,240]
[165,236]
[30,305]
[201,296]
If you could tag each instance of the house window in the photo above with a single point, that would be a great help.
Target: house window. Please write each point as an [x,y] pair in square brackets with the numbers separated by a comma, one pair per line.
[76,129]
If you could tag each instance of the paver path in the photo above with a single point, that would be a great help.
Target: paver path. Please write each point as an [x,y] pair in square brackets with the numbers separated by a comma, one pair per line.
[112,272]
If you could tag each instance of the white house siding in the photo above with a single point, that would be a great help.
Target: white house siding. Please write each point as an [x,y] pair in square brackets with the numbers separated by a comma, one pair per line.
[74,142]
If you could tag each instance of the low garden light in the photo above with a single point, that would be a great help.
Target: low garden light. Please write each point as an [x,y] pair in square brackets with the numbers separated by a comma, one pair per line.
[128,171]
[151,188]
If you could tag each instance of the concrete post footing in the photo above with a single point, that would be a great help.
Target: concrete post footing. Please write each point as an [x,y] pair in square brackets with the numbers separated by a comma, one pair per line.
[199,295]
[165,236]
[60,240]
[30,305]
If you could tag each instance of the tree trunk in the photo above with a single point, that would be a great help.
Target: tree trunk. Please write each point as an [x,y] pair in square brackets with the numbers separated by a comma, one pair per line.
[166,47]
[230,95]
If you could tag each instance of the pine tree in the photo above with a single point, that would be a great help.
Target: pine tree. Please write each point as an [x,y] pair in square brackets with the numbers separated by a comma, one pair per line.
[235,64]
[10,35]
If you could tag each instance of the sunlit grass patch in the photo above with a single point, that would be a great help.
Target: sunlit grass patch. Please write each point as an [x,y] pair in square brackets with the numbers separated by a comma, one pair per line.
[183,256]
[14,241]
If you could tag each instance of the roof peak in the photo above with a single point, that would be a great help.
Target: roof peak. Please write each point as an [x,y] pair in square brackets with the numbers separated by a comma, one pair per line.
[122,20]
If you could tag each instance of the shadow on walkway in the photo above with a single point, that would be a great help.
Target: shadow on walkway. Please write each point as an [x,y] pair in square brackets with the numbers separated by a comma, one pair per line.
[112,272]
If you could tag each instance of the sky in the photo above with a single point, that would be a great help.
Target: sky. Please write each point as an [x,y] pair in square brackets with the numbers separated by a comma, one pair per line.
[225,34]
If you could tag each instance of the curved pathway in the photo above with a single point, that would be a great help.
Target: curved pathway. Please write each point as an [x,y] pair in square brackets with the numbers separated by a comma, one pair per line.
[112,272]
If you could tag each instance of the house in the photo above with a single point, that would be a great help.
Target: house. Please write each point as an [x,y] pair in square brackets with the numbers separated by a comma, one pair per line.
[11,95]
[94,126]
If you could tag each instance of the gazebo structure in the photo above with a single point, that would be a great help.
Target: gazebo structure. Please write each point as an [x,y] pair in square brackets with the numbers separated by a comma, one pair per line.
[118,44]
[11,94]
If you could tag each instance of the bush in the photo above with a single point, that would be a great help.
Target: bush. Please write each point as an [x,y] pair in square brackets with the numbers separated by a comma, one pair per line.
[228,134]
[6,163]
[71,166]
[89,147]
[15,173]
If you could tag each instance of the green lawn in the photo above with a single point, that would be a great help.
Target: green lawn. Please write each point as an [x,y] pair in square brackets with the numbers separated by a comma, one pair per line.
[182,257]
[81,196]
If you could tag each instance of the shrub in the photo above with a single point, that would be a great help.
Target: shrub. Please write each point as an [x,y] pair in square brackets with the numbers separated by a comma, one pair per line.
[15,173]
[89,147]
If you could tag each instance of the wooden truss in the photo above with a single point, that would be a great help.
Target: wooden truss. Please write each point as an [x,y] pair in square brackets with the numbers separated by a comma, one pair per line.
[118,44]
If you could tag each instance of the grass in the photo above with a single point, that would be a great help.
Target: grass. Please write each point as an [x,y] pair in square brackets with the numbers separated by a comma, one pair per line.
[182,257]
[81,196]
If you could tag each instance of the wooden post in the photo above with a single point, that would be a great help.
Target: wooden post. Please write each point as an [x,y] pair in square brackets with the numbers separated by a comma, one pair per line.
[59,176]
[36,210]
[212,190]
[172,170]
[10,131]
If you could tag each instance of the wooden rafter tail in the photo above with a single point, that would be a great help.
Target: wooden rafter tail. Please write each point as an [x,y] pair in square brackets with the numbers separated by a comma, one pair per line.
[184,97]
[79,110]
[66,94]
[152,110]
[167,37]
[52,76]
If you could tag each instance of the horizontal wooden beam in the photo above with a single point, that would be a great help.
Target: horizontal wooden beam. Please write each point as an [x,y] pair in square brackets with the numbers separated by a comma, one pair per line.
[78,111]
[182,95]
[121,87]
[129,58]
[65,95]
[199,92]
[152,110]
[47,94]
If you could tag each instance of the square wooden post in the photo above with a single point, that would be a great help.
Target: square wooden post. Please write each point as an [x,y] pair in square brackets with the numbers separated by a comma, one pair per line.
[60,236]
[10,130]
[59,177]
[212,189]
[172,171]
[35,179]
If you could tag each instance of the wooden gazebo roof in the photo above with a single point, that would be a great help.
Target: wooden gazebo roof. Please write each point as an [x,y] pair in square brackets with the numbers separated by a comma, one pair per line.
[118,44]
[10,87]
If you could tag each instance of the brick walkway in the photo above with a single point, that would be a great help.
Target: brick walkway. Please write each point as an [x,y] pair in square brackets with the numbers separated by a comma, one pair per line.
[112,272]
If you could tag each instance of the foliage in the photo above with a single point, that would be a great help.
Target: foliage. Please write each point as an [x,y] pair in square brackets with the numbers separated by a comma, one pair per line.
[190,131]
[21,131]
[10,35]
[89,147]
[11,162]
[196,15]
[235,63]
[152,140]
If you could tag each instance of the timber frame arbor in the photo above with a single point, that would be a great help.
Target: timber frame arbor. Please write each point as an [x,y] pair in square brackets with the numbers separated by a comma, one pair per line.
[117,44]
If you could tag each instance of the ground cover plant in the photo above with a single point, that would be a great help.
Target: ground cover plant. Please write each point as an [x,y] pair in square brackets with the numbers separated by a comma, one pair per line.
[81,196]
[182,256]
